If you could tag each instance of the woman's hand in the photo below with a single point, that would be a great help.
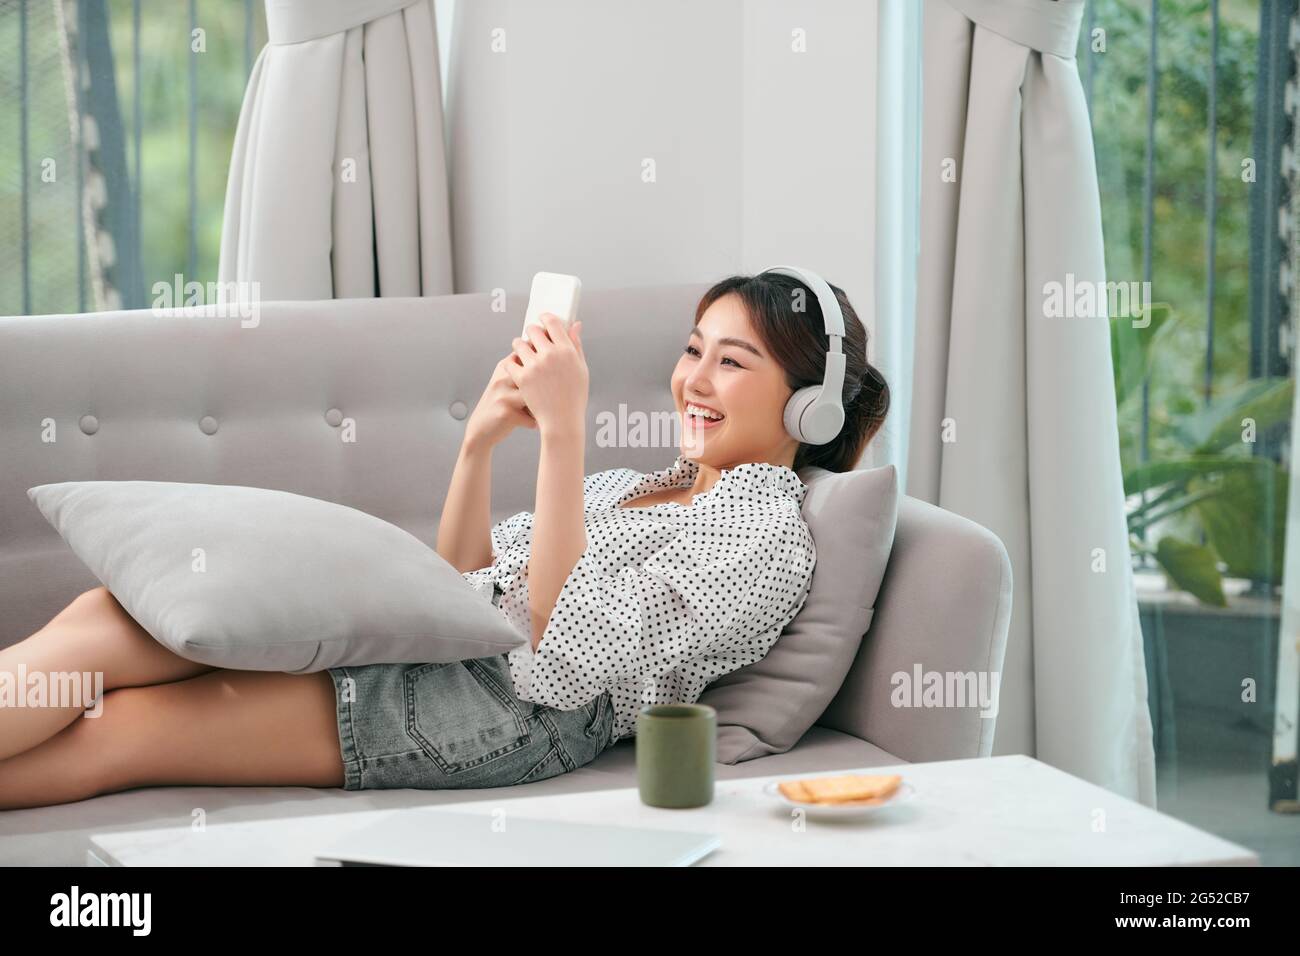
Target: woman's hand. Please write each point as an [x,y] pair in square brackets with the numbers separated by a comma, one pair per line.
[550,371]
[499,411]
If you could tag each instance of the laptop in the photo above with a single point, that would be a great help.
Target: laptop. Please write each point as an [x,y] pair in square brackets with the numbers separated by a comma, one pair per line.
[429,836]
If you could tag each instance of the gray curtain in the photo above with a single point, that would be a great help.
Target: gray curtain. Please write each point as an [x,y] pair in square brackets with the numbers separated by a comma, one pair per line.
[338,177]
[1014,418]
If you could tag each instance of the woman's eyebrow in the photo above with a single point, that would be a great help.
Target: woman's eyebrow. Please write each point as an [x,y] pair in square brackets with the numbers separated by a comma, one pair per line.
[739,343]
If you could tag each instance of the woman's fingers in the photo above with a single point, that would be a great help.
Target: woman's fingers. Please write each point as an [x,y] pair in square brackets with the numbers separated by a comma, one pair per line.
[556,331]
[513,399]
[523,350]
[542,339]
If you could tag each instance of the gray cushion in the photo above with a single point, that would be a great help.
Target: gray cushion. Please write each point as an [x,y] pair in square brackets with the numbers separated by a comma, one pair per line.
[255,579]
[765,707]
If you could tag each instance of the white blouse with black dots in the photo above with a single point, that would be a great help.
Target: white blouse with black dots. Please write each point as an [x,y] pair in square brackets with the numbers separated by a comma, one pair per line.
[666,598]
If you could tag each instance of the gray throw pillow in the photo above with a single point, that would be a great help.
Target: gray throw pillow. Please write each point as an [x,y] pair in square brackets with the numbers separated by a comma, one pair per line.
[254,579]
[765,707]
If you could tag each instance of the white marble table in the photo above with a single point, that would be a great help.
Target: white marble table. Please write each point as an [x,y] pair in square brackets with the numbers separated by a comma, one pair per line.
[997,811]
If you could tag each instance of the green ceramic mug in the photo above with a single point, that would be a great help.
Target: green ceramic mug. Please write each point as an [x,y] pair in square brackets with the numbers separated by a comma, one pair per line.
[676,747]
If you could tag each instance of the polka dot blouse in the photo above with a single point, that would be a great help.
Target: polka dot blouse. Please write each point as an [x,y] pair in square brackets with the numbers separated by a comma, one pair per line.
[666,598]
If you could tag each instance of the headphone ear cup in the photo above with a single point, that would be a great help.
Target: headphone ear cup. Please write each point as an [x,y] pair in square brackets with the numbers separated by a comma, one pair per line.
[829,423]
[795,408]
[812,427]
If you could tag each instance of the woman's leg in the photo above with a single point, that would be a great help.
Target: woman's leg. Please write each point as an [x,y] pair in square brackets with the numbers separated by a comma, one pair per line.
[91,635]
[224,728]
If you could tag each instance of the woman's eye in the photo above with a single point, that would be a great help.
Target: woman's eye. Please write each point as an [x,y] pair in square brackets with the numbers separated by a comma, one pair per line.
[692,350]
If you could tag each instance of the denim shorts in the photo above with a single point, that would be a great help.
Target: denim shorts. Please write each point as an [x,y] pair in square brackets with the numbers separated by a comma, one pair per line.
[456,726]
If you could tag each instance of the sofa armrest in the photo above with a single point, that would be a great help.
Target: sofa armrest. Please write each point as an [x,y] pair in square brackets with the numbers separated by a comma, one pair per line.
[944,606]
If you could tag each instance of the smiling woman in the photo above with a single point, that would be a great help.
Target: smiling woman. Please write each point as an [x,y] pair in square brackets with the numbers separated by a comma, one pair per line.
[647,586]
[754,342]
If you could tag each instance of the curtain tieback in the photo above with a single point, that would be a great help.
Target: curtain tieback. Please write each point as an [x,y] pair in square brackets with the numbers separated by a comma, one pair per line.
[294,21]
[1048,26]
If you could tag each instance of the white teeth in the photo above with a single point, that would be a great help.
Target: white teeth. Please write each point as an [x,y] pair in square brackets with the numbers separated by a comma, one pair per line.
[703,412]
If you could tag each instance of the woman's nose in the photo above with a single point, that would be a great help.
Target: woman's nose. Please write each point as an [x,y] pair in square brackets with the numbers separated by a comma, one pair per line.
[697,383]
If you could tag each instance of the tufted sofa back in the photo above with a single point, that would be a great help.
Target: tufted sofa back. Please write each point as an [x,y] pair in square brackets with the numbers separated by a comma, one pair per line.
[176,397]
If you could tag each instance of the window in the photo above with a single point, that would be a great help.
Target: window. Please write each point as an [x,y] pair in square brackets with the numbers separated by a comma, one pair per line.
[1190,114]
[119,119]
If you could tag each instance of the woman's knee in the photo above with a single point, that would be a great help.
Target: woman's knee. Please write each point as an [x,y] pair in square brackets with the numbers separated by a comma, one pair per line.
[109,743]
[94,613]
[85,759]
[94,607]
[95,633]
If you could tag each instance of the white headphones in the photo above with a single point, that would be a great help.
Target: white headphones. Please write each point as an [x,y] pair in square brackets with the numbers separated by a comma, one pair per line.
[814,415]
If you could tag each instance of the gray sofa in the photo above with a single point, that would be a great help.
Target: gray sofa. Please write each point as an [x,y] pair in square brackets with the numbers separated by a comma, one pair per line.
[178,397]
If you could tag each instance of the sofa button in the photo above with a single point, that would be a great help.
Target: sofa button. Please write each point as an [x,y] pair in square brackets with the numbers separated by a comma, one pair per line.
[208,425]
[89,424]
[459,410]
[334,417]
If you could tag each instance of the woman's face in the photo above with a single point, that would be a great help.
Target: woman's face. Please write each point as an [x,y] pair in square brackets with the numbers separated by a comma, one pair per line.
[726,368]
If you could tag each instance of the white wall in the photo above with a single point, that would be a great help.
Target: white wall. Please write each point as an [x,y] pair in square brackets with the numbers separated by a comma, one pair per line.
[762,155]
[808,158]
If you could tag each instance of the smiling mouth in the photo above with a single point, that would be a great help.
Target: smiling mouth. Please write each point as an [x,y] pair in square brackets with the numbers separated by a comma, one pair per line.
[701,421]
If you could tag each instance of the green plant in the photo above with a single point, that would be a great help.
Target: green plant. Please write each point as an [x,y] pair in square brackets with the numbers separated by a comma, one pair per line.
[1207,484]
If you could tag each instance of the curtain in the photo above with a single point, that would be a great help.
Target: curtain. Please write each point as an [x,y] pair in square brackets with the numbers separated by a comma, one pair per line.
[338,176]
[1013,413]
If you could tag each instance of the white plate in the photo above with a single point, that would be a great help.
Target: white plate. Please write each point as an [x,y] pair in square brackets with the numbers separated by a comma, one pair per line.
[904,793]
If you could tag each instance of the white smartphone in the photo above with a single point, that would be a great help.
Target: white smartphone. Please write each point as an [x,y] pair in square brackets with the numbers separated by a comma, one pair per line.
[555,293]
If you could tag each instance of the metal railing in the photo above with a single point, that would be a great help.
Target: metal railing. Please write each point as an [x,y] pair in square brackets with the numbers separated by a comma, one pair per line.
[75,39]
[1270,286]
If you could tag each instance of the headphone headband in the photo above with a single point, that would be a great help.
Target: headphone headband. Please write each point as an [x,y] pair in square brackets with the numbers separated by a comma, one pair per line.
[831,314]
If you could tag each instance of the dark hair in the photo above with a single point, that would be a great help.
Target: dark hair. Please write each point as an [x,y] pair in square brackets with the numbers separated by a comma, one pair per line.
[797,340]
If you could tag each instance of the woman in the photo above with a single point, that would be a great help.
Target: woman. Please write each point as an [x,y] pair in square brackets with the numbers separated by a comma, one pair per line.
[633,587]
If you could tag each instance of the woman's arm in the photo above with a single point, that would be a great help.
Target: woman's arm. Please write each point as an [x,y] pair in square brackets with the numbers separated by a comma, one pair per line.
[465,528]
[559,529]
[552,375]
[464,531]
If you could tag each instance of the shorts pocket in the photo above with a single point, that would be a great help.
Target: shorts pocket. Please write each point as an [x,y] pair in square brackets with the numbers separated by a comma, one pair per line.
[461,716]
[598,708]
